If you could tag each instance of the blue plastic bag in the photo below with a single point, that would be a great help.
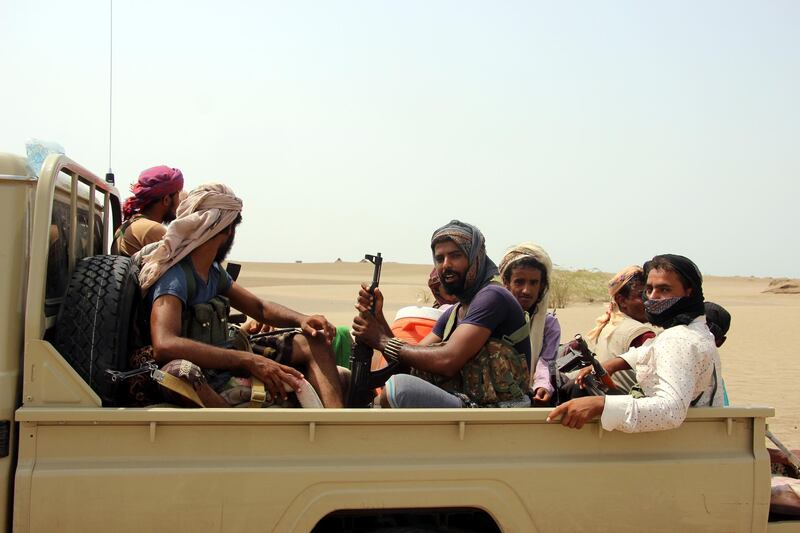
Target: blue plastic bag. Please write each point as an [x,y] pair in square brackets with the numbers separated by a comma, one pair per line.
[37,151]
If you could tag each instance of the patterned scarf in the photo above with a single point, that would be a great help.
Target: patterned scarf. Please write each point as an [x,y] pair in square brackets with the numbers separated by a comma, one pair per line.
[207,210]
[683,310]
[471,242]
[612,313]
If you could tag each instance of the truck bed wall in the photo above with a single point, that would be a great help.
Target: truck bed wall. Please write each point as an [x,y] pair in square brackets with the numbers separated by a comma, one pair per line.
[16,205]
[283,470]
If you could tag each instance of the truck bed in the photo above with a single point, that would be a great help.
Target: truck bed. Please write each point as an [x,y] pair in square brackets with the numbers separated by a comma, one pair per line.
[285,469]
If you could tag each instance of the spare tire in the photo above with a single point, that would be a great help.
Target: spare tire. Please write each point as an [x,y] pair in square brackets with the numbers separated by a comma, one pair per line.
[93,324]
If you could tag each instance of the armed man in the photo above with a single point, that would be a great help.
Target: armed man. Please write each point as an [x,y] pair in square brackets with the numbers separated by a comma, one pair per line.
[189,296]
[679,369]
[478,352]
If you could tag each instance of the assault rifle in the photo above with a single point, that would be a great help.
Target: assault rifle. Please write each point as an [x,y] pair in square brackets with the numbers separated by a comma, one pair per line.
[576,355]
[363,380]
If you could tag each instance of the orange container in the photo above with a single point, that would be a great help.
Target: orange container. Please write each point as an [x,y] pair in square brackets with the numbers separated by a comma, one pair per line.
[411,324]
[412,329]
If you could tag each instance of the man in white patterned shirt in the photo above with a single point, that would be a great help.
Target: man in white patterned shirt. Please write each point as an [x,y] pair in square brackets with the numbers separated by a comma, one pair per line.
[678,369]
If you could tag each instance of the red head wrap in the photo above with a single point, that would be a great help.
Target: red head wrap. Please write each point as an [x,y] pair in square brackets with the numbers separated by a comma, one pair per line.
[153,184]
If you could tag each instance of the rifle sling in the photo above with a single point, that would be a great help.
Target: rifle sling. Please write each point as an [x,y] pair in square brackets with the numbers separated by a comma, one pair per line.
[451,320]
[191,283]
[178,386]
[521,334]
[125,225]
[258,393]
[713,389]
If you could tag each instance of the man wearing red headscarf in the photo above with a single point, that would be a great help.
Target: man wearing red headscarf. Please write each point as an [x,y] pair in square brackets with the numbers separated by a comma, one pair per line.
[155,201]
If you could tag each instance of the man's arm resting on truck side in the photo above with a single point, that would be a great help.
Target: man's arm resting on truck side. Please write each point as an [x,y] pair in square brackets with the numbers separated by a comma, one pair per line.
[683,371]
[575,413]
[665,410]
[165,331]
[665,406]
[277,315]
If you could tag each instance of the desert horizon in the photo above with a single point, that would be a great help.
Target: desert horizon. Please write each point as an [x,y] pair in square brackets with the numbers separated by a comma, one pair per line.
[757,334]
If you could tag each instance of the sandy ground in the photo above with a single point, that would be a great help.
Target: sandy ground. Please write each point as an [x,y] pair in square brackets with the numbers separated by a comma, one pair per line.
[760,359]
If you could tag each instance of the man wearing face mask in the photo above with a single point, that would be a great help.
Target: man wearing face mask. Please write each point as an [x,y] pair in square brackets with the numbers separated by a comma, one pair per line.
[677,370]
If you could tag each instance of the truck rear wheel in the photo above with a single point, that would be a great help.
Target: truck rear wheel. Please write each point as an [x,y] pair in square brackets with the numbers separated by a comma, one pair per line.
[93,324]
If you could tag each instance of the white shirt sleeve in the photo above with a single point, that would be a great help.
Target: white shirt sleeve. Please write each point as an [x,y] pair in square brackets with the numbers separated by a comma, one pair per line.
[632,356]
[678,366]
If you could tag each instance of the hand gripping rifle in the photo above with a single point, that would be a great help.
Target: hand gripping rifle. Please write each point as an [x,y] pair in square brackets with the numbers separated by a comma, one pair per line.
[578,355]
[363,381]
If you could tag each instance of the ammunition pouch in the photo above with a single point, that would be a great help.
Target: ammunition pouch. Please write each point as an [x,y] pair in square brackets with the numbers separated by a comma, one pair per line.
[497,375]
[207,322]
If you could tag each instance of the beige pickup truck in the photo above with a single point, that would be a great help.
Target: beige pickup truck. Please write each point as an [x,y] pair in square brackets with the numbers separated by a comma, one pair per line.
[71,463]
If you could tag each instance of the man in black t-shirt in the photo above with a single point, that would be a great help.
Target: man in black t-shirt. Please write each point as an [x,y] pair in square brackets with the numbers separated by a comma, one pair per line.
[488,333]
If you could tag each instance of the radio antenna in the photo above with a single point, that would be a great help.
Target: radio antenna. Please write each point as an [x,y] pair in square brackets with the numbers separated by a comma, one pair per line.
[110,173]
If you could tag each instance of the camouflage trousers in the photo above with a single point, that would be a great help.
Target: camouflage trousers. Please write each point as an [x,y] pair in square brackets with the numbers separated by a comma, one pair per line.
[234,386]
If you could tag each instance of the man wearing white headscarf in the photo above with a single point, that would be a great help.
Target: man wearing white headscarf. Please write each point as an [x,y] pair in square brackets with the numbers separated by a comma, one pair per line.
[197,242]
[623,325]
[525,271]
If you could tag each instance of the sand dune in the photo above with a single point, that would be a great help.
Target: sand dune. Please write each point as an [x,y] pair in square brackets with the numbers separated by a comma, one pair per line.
[760,359]
[784,286]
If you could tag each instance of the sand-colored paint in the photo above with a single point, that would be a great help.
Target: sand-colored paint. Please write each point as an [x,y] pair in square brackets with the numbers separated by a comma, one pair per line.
[81,467]
[760,360]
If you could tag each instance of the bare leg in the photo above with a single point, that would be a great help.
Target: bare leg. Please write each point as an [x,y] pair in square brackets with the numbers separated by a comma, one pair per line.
[210,398]
[321,368]
[344,380]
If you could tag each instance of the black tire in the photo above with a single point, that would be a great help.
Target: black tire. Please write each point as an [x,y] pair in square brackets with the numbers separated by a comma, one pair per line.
[93,324]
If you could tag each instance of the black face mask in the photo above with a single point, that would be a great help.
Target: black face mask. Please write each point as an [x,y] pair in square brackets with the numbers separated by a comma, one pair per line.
[658,307]
[669,312]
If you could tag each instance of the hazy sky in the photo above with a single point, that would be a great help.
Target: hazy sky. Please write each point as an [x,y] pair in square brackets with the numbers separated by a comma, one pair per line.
[605,131]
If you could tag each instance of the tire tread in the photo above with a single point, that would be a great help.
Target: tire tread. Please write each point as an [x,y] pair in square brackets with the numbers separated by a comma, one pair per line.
[93,323]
